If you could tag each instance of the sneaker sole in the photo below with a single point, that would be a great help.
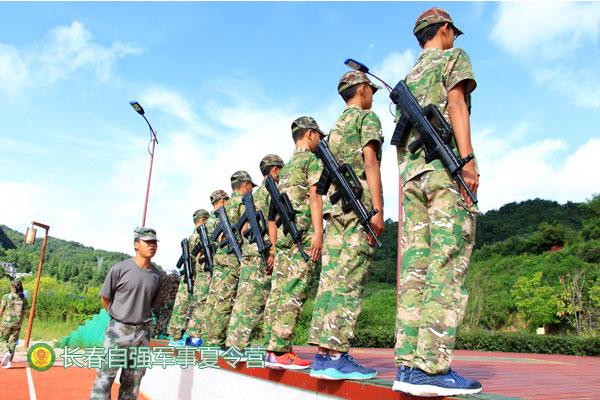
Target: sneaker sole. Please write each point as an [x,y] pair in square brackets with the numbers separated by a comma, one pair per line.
[429,390]
[5,359]
[335,375]
[278,366]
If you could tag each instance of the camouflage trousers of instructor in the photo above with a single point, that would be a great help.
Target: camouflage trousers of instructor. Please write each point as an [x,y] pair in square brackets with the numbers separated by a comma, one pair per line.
[438,234]
[121,335]
[287,296]
[222,294]
[178,322]
[8,339]
[345,265]
[197,313]
[252,293]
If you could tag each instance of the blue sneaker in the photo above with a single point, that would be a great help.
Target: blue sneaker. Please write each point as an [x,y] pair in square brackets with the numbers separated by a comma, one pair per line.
[176,343]
[318,365]
[342,368]
[417,383]
[193,342]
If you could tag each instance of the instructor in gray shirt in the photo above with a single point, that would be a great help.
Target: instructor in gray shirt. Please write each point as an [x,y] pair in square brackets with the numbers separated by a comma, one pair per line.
[130,292]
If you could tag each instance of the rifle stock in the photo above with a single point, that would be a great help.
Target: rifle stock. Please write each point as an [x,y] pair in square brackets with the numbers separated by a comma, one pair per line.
[257,227]
[231,239]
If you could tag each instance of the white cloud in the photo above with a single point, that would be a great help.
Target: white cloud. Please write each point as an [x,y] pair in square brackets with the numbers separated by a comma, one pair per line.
[581,86]
[549,30]
[62,52]
[516,173]
[395,66]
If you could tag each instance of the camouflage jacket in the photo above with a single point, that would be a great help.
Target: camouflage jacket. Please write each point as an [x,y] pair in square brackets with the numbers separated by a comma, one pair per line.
[13,309]
[262,201]
[295,178]
[235,209]
[354,129]
[433,76]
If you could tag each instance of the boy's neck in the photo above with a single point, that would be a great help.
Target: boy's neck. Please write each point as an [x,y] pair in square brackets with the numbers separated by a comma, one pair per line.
[142,262]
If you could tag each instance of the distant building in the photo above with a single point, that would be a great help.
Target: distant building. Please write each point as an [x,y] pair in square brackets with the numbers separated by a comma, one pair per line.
[9,268]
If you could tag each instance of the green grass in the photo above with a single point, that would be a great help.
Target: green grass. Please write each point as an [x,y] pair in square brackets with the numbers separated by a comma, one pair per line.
[48,330]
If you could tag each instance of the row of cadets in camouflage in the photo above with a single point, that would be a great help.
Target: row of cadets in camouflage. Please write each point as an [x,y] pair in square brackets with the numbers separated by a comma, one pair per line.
[12,310]
[356,140]
[254,282]
[438,222]
[184,301]
[298,179]
[226,272]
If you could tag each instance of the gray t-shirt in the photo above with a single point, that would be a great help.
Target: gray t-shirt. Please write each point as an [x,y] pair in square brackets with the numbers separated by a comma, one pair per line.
[133,292]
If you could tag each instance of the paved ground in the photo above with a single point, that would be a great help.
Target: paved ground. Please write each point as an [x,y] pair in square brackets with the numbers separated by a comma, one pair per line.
[524,376]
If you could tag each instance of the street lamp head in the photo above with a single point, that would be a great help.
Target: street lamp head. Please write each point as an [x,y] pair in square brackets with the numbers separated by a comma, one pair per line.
[136,106]
[356,65]
[30,235]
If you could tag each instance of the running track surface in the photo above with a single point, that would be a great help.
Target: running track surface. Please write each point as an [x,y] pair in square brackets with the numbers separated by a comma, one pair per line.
[524,376]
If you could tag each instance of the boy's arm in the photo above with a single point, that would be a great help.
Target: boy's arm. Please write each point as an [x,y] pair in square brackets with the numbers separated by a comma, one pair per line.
[459,118]
[105,302]
[272,226]
[373,174]
[316,214]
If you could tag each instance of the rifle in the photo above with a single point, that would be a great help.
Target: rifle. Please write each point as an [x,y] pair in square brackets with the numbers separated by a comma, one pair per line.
[347,185]
[281,205]
[185,262]
[435,141]
[257,227]
[206,247]
[230,234]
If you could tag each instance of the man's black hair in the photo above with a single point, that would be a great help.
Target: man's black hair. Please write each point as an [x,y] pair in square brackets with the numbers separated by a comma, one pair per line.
[266,170]
[236,185]
[299,134]
[350,92]
[427,33]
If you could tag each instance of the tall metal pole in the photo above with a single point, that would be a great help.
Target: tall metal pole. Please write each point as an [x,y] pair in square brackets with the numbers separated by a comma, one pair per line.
[149,176]
[37,283]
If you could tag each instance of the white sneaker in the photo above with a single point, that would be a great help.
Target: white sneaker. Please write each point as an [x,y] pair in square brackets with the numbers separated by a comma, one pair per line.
[6,358]
[8,365]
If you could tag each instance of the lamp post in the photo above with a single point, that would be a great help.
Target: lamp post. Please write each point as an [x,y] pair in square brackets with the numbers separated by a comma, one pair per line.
[30,239]
[153,139]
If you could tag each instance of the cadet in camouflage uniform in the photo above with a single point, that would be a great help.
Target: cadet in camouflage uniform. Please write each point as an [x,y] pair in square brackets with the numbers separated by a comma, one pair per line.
[438,223]
[184,302]
[197,325]
[356,140]
[223,288]
[129,293]
[291,273]
[254,283]
[12,310]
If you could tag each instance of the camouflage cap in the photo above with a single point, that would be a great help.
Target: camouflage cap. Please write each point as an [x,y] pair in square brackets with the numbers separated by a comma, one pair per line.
[16,282]
[354,77]
[242,176]
[432,16]
[144,233]
[306,123]
[201,213]
[218,195]
[271,160]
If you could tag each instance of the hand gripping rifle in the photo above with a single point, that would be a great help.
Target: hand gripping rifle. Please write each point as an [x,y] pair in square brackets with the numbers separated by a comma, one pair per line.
[347,185]
[281,205]
[230,234]
[257,227]
[185,262]
[435,141]
[206,247]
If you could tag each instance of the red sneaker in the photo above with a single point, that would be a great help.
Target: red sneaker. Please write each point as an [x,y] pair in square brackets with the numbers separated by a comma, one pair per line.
[285,361]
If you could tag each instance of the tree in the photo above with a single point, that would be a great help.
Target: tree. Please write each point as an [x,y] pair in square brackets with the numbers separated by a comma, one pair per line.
[537,302]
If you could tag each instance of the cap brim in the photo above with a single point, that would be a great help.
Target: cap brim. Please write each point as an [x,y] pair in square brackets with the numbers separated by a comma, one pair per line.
[375,87]
[148,238]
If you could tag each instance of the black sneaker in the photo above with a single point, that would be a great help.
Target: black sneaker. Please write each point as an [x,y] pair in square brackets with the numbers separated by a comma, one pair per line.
[417,383]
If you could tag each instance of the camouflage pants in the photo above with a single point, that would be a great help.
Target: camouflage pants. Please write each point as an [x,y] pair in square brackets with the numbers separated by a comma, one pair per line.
[437,240]
[121,335]
[345,264]
[179,316]
[223,290]
[286,298]
[8,339]
[252,292]
[196,325]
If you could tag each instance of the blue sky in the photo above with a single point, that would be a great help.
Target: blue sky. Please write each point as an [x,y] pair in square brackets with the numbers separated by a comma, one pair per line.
[222,82]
